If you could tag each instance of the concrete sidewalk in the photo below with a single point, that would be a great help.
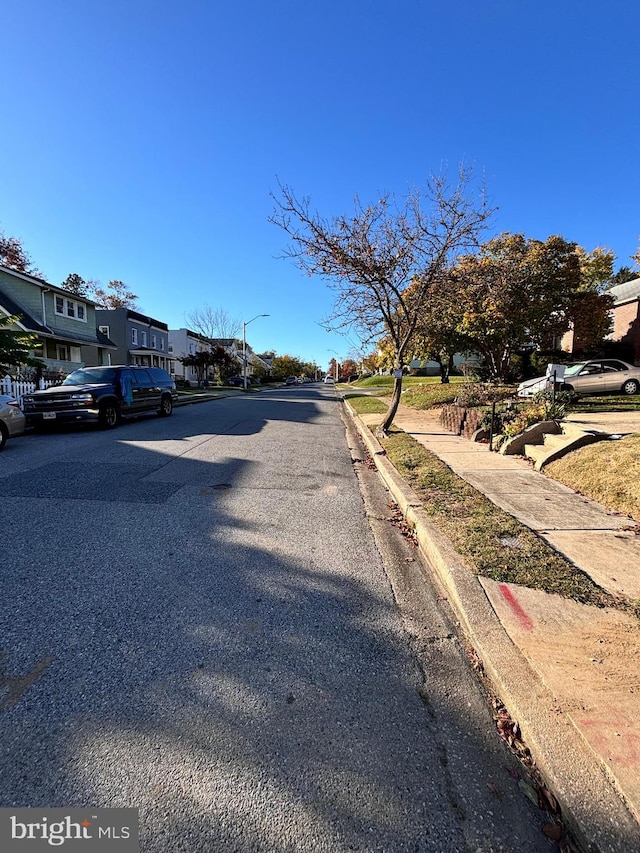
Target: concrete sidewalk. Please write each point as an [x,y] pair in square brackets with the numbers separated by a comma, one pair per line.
[568,673]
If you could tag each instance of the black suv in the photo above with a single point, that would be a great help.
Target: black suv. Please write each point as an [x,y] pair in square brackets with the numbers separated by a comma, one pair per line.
[102,395]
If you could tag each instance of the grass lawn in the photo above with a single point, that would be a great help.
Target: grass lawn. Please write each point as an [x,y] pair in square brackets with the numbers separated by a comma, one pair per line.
[426,394]
[419,392]
[495,543]
[365,404]
[607,472]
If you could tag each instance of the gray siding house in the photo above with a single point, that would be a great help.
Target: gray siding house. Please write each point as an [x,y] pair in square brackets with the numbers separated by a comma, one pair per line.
[64,324]
[138,339]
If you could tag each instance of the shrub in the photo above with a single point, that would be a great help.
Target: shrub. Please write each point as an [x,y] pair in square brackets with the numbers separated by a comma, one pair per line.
[472,394]
[540,360]
[514,419]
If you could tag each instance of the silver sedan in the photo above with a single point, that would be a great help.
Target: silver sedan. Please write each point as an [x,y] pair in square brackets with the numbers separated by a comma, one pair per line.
[12,421]
[596,376]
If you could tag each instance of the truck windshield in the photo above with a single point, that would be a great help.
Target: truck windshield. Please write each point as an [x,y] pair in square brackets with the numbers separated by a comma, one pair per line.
[90,377]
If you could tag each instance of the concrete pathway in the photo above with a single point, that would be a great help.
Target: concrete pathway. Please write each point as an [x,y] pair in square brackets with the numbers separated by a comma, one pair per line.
[604,544]
[587,659]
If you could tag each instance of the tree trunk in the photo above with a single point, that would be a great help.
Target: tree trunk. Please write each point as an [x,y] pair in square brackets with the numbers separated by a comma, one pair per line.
[395,402]
[445,369]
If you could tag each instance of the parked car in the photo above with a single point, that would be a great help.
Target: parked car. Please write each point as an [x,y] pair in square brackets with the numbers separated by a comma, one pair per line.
[596,376]
[12,421]
[329,380]
[102,395]
[236,381]
[291,380]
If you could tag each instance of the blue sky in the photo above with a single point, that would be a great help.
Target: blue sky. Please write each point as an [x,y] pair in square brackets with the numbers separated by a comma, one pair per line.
[140,139]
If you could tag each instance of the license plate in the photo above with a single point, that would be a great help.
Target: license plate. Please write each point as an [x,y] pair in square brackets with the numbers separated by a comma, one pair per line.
[48,416]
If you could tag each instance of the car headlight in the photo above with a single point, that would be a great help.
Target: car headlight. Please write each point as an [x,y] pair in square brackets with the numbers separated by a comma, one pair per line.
[82,398]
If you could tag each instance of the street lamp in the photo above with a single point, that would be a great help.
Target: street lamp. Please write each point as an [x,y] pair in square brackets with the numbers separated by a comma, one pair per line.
[244,347]
[336,360]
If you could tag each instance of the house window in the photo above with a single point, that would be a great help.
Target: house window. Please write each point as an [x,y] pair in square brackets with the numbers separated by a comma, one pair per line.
[70,308]
[153,341]
[134,336]
[143,339]
[170,346]
[104,330]
[62,352]
[162,344]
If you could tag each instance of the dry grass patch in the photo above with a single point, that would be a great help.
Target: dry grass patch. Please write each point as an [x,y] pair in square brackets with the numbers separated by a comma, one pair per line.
[607,472]
[495,543]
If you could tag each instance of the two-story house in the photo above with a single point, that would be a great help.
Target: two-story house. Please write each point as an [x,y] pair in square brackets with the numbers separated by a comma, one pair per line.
[64,324]
[185,342]
[626,317]
[625,323]
[139,339]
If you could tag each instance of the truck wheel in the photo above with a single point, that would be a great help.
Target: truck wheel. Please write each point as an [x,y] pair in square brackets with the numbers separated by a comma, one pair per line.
[109,415]
[166,407]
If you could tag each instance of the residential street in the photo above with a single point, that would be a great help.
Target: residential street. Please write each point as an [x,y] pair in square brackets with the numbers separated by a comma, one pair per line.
[197,620]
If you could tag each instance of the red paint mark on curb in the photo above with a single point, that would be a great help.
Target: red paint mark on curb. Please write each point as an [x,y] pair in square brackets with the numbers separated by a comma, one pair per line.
[519,612]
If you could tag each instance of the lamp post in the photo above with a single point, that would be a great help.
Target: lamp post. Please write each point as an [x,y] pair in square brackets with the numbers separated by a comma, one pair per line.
[244,348]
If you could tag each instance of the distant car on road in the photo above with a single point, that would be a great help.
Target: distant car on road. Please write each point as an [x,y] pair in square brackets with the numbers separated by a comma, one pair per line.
[12,421]
[235,381]
[102,395]
[329,380]
[596,376]
[291,380]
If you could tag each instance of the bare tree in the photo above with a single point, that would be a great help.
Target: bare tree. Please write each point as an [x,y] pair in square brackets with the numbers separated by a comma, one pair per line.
[372,257]
[213,322]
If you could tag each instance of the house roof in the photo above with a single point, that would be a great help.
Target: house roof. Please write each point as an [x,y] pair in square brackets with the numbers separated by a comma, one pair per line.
[191,334]
[40,282]
[143,318]
[26,319]
[104,340]
[225,342]
[148,351]
[625,292]
[32,325]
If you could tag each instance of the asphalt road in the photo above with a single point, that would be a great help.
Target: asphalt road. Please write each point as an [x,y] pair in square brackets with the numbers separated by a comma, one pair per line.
[206,618]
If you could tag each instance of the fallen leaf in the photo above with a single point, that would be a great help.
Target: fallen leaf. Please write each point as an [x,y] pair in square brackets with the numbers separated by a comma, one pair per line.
[548,800]
[528,791]
[554,831]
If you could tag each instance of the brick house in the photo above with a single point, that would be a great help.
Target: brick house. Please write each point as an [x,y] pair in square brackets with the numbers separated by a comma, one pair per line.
[626,316]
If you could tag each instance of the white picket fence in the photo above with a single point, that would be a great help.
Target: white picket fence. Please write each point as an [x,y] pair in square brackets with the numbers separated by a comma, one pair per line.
[17,387]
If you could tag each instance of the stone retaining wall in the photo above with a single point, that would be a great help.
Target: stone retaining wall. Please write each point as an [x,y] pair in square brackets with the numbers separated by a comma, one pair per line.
[461,421]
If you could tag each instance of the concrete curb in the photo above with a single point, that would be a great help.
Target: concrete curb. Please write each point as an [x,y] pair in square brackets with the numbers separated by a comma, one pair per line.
[591,806]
